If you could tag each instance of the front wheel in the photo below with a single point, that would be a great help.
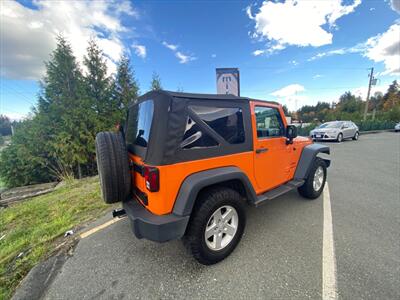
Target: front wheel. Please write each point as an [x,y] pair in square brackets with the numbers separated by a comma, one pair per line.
[216,226]
[315,182]
[339,138]
[355,137]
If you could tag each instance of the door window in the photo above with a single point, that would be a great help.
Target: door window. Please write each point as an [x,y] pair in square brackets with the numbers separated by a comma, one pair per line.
[268,122]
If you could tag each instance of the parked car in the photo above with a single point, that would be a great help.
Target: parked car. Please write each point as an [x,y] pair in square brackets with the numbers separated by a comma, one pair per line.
[397,127]
[185,165]
[335,131]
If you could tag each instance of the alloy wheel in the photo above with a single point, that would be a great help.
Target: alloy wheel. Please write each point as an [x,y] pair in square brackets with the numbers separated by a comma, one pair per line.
[318,178]
[221,228]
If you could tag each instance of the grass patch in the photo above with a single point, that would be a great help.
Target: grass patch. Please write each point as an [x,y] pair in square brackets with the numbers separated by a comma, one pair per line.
[31,227]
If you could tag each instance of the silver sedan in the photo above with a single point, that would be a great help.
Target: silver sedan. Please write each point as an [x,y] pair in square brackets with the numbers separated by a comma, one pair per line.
[335,131]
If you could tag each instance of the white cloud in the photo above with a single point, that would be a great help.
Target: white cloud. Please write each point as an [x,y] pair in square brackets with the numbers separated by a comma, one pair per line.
[289,95]
[356,49]
[213,55]
[183,58]
[395,4]
[140,50]
[289,90]
[385,48]
[258,52]
[170,46]
[125,7]
[28,35]
[294,62]
[298,23]
[362,91]
[13,116]
[316,76]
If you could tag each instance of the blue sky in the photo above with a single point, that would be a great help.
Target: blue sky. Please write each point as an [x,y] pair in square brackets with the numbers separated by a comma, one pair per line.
[294,52]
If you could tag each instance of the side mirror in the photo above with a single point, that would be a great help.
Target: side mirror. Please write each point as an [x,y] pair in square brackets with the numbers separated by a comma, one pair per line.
[291,133]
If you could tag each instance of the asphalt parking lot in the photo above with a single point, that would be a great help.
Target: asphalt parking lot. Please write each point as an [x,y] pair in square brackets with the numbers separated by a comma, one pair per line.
[280,255]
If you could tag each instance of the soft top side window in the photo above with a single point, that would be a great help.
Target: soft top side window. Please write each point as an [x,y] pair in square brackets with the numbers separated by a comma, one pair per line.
[195,137]
[227,122]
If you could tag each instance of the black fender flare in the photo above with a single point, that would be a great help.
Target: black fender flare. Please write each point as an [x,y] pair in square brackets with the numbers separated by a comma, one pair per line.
[192,185]
[307,157]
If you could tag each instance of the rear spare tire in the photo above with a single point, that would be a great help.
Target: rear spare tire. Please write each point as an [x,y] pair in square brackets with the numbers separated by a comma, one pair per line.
[113,167]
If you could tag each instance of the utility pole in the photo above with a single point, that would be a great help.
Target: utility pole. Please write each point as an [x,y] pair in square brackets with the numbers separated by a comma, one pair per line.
[371,78]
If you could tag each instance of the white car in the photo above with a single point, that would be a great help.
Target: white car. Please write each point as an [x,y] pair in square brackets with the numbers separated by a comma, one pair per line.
[335,131]
[397,127]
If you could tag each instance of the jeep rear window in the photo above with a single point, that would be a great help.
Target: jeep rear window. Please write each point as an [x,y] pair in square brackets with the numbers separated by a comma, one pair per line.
[138,125]
[226,121]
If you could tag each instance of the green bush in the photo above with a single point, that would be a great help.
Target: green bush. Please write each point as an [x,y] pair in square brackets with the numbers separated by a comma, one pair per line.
[369,125]
[305,131]
[1,140]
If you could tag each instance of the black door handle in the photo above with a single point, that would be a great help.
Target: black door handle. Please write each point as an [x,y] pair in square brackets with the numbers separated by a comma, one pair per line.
[261,150]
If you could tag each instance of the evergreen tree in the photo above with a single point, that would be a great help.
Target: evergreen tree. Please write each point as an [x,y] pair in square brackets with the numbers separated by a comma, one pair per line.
[392,97]
[155,82]
[126,88]
[98,89]
[62,111]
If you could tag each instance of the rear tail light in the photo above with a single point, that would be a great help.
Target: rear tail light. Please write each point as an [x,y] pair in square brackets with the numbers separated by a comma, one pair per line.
[152,178]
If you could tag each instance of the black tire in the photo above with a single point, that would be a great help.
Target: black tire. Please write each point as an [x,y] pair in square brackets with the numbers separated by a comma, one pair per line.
[307,189]
[207,203]
[355,137]
[339,138]
[113,167]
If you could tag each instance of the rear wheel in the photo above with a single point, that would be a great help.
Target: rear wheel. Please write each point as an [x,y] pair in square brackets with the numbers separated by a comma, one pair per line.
[315,182]
[216,226]
[339,138]
[355,137]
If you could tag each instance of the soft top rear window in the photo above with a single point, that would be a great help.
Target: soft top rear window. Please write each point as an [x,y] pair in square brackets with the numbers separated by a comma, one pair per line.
[138,126]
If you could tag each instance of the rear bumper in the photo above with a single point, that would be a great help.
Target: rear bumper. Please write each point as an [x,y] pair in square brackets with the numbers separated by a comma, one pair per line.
[154,227]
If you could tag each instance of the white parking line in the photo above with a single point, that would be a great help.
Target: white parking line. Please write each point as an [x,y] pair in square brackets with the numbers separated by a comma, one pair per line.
[329,289]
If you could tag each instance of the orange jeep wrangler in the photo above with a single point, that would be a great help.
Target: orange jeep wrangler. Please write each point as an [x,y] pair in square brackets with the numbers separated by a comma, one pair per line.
[184,166]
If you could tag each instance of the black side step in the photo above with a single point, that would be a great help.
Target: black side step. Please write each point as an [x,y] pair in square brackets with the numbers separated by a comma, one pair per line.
[280,190]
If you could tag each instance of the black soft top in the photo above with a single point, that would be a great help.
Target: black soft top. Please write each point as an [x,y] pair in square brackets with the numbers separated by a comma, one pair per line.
[179,95]
[169,122]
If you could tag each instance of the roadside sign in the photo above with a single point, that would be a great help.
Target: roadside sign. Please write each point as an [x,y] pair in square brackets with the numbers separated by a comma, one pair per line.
[228,81]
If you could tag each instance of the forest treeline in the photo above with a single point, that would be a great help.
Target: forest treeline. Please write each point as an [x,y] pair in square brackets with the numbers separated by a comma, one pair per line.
[381,107]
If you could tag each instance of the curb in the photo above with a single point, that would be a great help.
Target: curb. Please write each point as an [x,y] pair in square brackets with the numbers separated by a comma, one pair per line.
[35,284]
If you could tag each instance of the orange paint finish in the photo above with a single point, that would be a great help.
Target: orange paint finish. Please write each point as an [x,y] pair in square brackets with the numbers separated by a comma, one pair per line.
[172,176]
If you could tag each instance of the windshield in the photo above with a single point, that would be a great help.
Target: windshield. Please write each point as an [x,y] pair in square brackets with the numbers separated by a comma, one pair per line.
[139,124]
[331,125]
